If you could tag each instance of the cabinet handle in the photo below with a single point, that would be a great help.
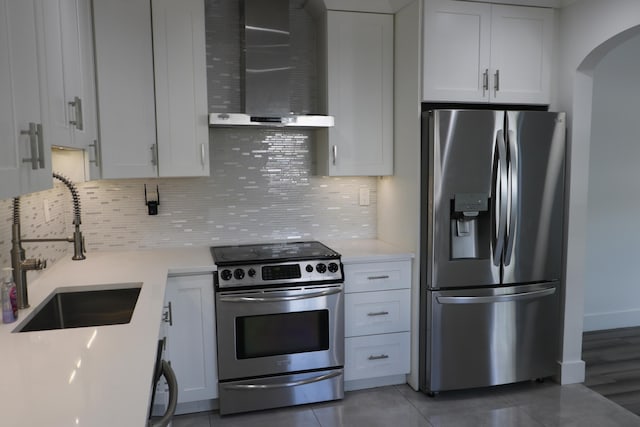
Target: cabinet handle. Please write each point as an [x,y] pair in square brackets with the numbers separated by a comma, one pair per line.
[378,313]
[380,357]
[167,316]
[496,81]
[335,154]
[40,145]
[485,82]
[96,153]
[33,145]
[154,154]
[76,106]
[202,154]
[386,276]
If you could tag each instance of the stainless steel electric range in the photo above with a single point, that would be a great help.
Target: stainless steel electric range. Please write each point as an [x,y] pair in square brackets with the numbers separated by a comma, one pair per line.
[280,325]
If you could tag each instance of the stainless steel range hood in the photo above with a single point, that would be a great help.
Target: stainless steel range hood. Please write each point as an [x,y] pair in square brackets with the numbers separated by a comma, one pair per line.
[266,71]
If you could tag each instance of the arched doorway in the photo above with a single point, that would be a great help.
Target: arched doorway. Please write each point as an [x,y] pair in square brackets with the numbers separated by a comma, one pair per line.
[612,294]
[583,49]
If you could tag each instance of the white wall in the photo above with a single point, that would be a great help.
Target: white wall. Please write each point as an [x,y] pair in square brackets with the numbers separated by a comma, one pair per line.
[612,294]
[399,195]
[588,30]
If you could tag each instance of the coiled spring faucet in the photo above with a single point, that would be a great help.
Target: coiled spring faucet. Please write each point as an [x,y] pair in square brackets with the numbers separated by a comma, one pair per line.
[21,264]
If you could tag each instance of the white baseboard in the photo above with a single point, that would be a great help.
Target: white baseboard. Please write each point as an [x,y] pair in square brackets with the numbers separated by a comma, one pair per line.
[571,372]
[374,382]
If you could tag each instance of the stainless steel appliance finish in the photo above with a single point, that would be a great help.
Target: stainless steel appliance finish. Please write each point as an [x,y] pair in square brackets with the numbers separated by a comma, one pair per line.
[491,232]
[271,392]
[280,325]
[488,336]
[266,71]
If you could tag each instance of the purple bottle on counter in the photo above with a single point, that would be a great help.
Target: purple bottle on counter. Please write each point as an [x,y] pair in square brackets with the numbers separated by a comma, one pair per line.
[9,302]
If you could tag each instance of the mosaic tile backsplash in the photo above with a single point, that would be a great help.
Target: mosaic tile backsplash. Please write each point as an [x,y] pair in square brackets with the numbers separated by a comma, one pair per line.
[261,189]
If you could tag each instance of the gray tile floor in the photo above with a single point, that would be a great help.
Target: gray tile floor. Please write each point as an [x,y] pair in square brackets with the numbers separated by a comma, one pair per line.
[523,405]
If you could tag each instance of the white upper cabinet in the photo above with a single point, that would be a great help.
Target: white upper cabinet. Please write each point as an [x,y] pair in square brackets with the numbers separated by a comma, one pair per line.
[70,114]
[457,38]
[132,88]
[181,87]
[521,45]
[25,151]
[124,77]
[359,95]
[479,52]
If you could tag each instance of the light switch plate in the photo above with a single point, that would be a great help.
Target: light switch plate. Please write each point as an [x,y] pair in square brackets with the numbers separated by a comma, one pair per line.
[364,197]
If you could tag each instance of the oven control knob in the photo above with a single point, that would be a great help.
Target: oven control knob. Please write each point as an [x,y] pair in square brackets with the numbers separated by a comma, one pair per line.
[238,273]
[226,274]
[251,272]
[333,267]
[321,268]
[309,268]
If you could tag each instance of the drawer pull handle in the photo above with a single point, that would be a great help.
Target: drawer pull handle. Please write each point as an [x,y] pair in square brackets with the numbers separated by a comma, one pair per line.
[378,313]
[386,276]
[382,356]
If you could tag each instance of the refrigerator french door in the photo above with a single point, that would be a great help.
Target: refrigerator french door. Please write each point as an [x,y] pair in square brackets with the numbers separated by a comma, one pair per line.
[491,236]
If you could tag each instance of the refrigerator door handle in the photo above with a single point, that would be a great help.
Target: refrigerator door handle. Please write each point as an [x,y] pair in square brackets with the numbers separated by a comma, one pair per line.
[514,185]
[501,199]
[497,298]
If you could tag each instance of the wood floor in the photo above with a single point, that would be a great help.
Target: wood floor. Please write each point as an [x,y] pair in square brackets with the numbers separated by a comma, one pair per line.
[613,365]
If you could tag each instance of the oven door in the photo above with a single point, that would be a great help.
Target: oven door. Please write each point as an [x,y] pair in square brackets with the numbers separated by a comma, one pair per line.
[273,331]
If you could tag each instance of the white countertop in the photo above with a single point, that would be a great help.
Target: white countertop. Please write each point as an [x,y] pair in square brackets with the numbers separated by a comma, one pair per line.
[95,376]
[102,376]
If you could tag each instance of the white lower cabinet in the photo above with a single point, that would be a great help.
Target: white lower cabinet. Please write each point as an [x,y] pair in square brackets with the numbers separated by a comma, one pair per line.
[191,341]
[377,323]
[377,312]
[377,356]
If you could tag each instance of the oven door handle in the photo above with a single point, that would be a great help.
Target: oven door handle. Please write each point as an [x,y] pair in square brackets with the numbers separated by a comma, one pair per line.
[282,385]
[235,298]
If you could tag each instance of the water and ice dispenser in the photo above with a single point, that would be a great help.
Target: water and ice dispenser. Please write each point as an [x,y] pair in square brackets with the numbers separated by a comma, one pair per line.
[470,226]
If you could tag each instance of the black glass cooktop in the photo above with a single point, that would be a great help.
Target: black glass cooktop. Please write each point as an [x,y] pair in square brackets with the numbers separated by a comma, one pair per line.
[271,252]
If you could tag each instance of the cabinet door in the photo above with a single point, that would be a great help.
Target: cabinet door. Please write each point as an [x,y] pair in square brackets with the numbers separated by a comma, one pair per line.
[57,32]
[181,88]
[191,337]
[360,94]
[10,161]
[521,39]
[126,99]
[25,153]
[457,37]
[68,60]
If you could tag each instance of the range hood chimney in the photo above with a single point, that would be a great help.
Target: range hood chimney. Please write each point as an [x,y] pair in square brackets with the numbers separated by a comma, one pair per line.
[266,67]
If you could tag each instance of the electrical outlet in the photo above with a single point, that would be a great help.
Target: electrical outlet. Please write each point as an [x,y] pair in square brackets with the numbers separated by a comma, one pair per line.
[364,197]
[47,210]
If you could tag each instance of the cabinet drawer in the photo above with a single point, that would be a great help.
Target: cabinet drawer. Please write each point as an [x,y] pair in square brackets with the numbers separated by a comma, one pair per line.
[364,277]
[377,312]
[376,356]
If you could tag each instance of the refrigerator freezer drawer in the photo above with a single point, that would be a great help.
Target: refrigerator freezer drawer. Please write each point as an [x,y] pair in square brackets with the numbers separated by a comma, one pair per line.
[491,336]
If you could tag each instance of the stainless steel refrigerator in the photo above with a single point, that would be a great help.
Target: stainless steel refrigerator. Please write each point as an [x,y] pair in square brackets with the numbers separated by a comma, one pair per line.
[491,246]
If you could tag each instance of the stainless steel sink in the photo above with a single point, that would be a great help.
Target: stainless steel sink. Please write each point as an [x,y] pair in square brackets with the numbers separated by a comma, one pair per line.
[86,306]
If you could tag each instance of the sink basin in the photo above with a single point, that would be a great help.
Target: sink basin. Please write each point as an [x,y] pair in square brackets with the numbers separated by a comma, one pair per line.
[85,306]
